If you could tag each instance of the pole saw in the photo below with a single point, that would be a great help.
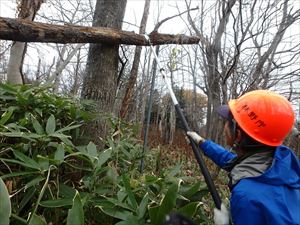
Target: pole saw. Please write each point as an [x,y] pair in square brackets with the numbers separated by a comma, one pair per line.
[209,182]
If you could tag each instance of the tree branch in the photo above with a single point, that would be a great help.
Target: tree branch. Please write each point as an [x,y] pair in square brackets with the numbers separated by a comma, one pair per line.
[28,31]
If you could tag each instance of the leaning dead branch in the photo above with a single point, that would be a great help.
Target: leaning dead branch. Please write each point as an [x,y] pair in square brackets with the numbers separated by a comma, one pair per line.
[28,31]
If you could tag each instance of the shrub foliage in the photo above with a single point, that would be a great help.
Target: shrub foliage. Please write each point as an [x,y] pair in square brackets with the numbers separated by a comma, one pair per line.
[49,178]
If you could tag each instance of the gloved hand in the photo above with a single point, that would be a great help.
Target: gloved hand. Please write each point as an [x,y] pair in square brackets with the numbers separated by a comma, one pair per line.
[221,217]
[196,137]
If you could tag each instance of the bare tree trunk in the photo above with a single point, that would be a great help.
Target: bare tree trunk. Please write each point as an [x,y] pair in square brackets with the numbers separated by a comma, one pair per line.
[76,84]
[212,49]
[27,10]
[135,64]
[62,64]
[146,90]
[100,81]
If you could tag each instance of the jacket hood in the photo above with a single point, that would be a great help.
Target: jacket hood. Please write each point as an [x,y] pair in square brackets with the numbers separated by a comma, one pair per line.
[285,169]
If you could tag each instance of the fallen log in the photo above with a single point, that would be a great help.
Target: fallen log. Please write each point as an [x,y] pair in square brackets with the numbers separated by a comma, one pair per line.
[29,31]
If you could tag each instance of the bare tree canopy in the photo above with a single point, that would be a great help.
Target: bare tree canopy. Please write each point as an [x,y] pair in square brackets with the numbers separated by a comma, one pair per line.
[28,31]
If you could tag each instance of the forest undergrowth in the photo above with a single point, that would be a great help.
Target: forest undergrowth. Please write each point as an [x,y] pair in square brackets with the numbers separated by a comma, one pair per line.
[47,177]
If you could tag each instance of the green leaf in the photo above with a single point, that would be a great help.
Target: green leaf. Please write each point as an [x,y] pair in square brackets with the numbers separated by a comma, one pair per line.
[27,197]
[115,212]
[75,214]
[51,125]
[54,203]
[34,181]
[26,165]
[174,171]
[18,134]
[92,151]
[8,88]
[153,213]
[192,190]
[116,203]
[6,116]
[129,221]
[62,137]
[131,197]
[190,209]
[43,162]
[37,220]
[5,205]
[59,153]
[16,174]
[37,126]
[158,213]
[68,128]
[143,206]
[104,156]
[40,196]
[26,159]
[66,141]
[66,191]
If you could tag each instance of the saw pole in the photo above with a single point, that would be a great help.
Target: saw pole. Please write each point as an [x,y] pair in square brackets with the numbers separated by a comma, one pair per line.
[209,182]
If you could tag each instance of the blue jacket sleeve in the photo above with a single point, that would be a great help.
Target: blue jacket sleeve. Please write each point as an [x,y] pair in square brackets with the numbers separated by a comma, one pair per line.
[217,153]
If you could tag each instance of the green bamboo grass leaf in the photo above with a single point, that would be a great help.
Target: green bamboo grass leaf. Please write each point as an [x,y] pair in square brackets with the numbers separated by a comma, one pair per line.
[92,150]
[66,191]
[37,126]
[59,153]
[158,213]
[51,125]
[54,203]
[19,134]
[27,197]
[37,220]
[131,197]
[143,206]
[76,214]
[5,204]
[6,116]
[31,217]
[34,182]
[116,203]
[104,156]
[17,174]
[115,212]
[129,221]
[19,219]
[8,88]
[153,213]
[191,190]
[174,171]
[63,138]
[26,165]
[68,128]
[26,159]
[189,209]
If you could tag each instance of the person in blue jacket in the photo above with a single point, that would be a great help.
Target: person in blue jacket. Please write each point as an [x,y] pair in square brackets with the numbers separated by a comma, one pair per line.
[264,175]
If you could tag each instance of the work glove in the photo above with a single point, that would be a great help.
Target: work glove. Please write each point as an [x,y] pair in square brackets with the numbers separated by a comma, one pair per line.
[196,137]
[221,217]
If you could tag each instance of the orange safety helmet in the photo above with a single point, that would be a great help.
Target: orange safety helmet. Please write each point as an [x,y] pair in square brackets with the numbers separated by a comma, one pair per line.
[264,115]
